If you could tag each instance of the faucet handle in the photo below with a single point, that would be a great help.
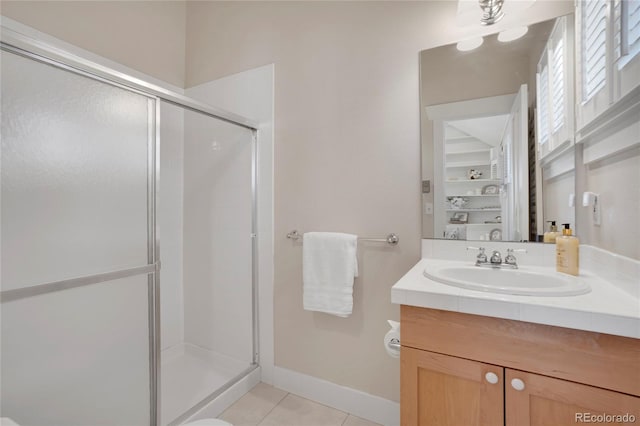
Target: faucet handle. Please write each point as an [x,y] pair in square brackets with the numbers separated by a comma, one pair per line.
[482,257]
[511,259]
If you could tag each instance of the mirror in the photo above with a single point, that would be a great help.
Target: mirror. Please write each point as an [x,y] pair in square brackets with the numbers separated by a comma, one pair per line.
[481,178]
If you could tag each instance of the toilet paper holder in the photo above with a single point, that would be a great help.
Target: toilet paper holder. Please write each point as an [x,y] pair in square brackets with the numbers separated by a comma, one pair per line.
[394,344]
[392,339]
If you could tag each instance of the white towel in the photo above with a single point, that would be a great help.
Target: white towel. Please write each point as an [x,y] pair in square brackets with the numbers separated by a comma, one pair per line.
[329,266]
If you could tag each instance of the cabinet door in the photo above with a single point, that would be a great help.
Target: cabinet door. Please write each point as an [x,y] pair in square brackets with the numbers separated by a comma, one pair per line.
[533,400]
[444,390]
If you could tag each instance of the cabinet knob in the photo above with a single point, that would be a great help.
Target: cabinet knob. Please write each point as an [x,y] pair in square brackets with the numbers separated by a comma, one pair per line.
[517,384]
[491,378]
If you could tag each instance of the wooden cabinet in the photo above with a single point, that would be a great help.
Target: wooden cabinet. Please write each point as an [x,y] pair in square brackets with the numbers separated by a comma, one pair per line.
[445,390]
[460,369]
[549,401]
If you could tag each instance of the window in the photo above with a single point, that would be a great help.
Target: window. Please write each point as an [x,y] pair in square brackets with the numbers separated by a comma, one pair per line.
[594,47]
[626,30]
[554,89]
[608,77]
[543,105]
[608,56]
[557,85]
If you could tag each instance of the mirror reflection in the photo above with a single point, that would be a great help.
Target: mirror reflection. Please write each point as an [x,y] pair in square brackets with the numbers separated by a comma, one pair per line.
[481,169]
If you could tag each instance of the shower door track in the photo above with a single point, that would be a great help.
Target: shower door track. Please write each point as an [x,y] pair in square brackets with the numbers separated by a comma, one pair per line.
[200,405]
[37,50]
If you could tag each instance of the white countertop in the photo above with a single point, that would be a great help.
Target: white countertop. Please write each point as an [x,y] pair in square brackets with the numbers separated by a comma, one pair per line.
[606,309]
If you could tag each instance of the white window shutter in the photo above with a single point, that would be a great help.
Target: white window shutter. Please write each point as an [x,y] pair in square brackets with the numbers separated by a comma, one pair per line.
[543,106]
[618,45]
[633,25]
[626,24]
[557,84]
[594,42]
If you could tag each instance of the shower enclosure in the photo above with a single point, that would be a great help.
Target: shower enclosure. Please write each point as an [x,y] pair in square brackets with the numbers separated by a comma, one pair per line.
[128,245]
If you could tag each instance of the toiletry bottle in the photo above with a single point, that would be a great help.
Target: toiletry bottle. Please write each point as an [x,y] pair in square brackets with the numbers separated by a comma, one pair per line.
[551,235]
[567,251]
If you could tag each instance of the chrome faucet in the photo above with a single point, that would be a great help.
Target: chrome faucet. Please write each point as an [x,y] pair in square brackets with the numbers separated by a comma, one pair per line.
[481,258]
[511,259]
[496,261]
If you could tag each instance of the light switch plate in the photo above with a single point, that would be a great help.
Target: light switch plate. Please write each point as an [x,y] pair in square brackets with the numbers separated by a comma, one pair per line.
[428,208]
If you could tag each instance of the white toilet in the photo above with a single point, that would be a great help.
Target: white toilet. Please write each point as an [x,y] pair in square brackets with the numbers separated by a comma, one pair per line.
[208,422]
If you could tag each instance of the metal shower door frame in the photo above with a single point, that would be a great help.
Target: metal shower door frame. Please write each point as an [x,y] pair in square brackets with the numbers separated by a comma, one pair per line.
[28,47]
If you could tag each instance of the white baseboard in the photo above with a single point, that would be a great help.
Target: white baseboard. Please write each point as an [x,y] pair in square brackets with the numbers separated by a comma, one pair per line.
[358,403]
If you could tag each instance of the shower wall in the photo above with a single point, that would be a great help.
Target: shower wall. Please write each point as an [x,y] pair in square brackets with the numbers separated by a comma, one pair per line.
[204,227]
[217,236]
[205,218]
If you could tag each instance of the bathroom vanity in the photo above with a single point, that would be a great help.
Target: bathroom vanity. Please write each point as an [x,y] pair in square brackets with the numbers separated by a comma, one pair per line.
[482,358]
[461,369]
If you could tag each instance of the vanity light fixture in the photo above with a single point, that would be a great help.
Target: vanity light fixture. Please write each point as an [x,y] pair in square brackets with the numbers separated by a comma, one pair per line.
[470,13]
[469,44]
[512,34]
[491,11]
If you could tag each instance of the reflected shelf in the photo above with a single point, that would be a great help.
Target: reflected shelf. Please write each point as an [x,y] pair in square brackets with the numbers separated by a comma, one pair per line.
[467,164]
[472,180]
[474,195]
[474,210]
[469,151]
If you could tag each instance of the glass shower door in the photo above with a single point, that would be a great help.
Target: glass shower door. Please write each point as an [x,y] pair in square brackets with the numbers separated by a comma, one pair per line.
[77,247]
[206,212]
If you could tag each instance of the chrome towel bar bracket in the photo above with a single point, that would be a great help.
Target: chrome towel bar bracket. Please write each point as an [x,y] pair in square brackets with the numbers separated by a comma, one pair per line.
[391,239]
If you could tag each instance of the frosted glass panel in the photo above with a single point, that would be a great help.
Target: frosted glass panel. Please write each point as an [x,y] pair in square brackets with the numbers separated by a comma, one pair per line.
[78,357]
[205,213]
[217,236]
[74,174]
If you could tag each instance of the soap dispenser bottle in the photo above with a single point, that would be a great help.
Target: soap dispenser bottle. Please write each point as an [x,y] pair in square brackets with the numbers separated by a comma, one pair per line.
[567,252]
[551,235]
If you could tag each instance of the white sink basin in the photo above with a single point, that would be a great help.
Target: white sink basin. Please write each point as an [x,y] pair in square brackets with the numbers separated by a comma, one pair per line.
[525,282]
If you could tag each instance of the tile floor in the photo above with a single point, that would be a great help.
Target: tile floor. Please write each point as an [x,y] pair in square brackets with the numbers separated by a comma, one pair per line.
[265,405]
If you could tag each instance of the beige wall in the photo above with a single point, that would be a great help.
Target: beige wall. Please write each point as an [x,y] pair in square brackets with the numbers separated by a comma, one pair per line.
[347,153]
[148,36]
[616,180]
[493,69]
[556,201]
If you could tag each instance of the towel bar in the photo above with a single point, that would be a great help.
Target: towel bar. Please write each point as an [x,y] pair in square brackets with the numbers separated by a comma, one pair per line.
[391,239]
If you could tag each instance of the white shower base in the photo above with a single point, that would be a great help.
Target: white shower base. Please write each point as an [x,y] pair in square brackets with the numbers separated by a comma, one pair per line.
[189,374]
